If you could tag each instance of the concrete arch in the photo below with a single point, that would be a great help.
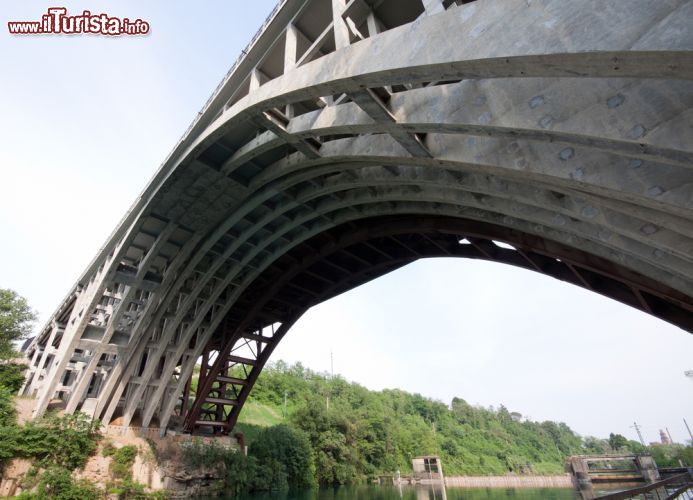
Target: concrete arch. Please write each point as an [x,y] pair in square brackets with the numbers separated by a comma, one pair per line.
[558,129]
[451,227]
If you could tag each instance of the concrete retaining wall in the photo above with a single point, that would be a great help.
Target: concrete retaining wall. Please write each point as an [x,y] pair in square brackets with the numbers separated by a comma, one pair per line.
[559,481]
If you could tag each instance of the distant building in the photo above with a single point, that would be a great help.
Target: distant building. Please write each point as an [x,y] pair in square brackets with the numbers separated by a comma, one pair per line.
[664,437]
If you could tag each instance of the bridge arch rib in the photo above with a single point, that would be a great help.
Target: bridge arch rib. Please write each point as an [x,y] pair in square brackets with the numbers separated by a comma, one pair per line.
[378,142]
[356,252]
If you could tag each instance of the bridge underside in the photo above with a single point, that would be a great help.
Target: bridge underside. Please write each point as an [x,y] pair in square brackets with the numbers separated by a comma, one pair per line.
[349,255]
[357,137]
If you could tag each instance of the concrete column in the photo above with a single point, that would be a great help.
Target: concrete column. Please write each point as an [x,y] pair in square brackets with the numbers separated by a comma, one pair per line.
[117,313]
[35,357]
[47,350]
[291,46]
[131,359]
[433,7]
[165,415]
[33,370]
[341,30]
[373,24]
[254,79]
[81,311]
[115,398]
[648,469]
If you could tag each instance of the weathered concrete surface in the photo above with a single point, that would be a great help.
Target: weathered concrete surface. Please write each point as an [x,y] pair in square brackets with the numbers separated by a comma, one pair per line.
[557,481]
[570,122]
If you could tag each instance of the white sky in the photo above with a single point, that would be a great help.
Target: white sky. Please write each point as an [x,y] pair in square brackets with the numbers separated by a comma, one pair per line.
[86,120]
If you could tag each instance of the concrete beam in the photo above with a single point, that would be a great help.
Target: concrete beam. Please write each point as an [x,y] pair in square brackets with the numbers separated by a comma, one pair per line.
[270,121]
[374,106]
[316,46]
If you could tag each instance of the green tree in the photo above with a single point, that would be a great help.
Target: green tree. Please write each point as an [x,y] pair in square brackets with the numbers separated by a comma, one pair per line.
[12,376]
[617,441]
[365,433]
[669,455]
[16,320]
[594,446]
[284,458]
[636,447]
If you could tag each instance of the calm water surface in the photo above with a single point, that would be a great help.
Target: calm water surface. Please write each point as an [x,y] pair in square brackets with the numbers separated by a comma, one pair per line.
[418,493]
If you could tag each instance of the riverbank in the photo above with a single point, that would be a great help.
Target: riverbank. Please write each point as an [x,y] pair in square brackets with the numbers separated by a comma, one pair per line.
[555,481]
[418,492]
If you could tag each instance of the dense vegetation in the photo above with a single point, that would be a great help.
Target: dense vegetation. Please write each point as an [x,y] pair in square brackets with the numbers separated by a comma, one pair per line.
[672,455]
[16,321]
[279,458]
[66,441]
[365,433]
[361,433]
[56,445]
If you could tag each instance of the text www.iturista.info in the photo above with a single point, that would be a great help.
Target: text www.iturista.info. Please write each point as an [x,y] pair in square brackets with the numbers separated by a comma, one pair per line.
[56,21]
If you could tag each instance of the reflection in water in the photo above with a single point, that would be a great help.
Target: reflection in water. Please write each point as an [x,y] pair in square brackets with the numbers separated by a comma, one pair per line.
[434,491]
[418,492]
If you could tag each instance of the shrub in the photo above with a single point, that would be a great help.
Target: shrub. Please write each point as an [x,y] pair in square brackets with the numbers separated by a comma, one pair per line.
[108,449]
[669,455]
[123,458]
[8,413]
[12,376]
[66,441]
[198,454]
[56,483]
[129,489]
[242,473]
[284,458]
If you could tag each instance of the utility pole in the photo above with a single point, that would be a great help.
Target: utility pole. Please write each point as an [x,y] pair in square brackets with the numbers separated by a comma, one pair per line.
[285,414]
[637,428]
[671,441]
[689,430]
[329,387]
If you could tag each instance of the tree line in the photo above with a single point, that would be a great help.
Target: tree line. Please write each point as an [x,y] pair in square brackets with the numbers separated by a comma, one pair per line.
[332,432]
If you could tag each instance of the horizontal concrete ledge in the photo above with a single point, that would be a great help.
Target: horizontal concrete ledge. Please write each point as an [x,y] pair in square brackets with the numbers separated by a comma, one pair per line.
[557,481]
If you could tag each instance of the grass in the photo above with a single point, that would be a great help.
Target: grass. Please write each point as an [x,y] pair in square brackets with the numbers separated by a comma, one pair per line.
[260,415]
[256,416]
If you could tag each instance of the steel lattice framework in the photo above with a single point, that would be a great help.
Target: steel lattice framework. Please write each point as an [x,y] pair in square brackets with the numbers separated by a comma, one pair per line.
[353,138]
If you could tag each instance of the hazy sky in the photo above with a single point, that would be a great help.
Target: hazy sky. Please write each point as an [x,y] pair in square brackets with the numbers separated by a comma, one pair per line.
[85,121]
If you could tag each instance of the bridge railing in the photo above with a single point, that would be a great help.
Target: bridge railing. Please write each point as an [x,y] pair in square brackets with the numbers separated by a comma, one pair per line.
[244,52]
[662,486]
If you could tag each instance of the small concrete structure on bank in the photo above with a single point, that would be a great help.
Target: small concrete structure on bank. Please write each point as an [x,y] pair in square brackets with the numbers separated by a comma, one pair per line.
[427,469]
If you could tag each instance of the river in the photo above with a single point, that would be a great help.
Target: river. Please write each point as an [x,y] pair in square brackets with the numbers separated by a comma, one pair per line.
[419,492]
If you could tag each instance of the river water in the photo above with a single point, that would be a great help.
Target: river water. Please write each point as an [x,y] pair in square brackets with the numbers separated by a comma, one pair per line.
[419,492]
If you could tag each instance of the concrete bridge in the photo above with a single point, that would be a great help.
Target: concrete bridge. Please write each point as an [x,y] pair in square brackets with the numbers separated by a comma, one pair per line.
[352,138]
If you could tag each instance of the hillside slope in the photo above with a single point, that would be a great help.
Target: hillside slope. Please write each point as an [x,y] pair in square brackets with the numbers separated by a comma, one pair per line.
[362,433]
